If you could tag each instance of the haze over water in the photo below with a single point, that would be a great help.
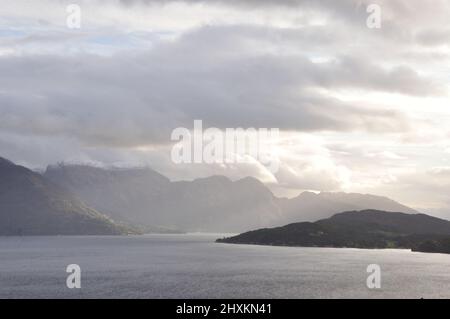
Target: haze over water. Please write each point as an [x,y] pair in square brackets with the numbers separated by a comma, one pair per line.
[193,266]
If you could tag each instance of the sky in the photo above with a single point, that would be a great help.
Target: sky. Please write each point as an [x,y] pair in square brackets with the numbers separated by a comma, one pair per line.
[359,109]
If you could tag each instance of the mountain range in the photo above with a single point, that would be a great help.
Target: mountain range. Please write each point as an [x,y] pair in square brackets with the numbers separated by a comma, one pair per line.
[143,199]
[213,204]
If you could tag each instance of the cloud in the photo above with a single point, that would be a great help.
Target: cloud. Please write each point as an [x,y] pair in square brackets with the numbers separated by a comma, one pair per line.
[433,37]
[364,109]
[145,96]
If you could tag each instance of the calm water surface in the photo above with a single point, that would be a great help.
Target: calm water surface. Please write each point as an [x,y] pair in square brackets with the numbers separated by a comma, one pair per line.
[193,266]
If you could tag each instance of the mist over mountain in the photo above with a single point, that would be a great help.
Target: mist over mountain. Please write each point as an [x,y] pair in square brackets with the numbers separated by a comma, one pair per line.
[144,197]
[213,204]
[217,204]
[128,195]
[75,199]
[32,205]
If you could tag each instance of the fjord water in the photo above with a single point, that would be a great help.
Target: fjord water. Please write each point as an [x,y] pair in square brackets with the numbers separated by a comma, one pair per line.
[193,266]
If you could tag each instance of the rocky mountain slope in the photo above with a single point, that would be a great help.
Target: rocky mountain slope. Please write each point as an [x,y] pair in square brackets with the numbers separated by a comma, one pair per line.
[32,205]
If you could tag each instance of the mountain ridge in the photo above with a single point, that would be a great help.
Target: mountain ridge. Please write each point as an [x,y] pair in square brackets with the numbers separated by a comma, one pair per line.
[212,204]
[357,229]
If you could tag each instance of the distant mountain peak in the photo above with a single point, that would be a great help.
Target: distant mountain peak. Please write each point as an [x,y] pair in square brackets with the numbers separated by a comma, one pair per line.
[5,162]
[251,181]
[81,174]
[214,178]
[308,194]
